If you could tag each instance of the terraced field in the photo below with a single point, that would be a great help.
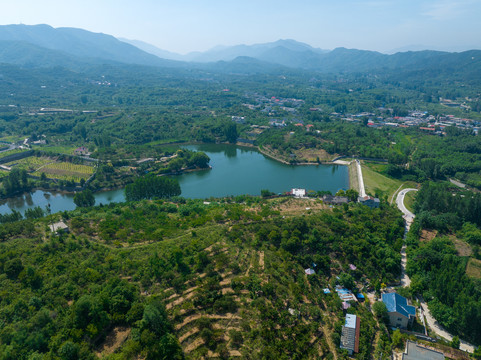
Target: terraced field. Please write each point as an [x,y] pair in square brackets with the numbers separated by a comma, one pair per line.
[200,330]
[65,171]
[31,163]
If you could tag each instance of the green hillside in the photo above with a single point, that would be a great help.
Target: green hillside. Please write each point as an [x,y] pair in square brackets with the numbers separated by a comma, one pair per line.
[158,280]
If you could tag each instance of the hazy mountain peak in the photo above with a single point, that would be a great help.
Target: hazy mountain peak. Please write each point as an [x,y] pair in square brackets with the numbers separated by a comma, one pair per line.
[79,43]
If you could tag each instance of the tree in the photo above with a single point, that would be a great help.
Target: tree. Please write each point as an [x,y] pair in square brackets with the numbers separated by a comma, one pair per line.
[69,351]
[352,194]
[455,342]
[266,193]
[380,310]
[341,193]
[347,281]
[151,186]
[230,132]
[200,160]
[84,198]
[397,338]
[477,352]
[13,268]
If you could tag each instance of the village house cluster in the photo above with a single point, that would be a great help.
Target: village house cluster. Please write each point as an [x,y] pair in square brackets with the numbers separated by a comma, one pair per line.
[420,119]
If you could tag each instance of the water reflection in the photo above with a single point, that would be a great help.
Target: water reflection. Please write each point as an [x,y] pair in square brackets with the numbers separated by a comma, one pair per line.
[235,171]
[29,199]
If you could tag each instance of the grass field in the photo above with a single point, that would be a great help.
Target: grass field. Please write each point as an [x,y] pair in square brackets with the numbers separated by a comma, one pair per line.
[409,199]
[58,149]
[474,268]
[66,171]
[375,182]
[353,177]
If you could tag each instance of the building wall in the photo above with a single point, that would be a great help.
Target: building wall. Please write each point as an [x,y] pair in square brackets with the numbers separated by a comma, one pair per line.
[398,320]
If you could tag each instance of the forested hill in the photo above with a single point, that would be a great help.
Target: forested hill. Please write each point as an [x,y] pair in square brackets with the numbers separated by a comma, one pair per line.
[164,280]
[45,46]
[60,43]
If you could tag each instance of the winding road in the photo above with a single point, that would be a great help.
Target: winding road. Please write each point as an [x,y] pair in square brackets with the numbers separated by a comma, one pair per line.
[405,281]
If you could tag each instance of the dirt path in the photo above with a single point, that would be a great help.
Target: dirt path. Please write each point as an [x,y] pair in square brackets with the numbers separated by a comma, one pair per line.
[194,345]
[330,343]
[189,319]
[188,334]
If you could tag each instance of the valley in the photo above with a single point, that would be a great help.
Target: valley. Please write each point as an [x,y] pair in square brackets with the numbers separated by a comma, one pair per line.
[239,206]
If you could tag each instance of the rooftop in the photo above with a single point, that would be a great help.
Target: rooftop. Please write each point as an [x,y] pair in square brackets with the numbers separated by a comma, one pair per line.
[397,303]
[350,321]
[418,352]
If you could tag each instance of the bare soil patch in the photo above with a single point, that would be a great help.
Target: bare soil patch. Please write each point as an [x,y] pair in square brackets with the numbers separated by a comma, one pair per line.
[179,300]
[428,235]
[113,341]
[191,318]
[462,247]
[188,334]
[474,268]
[299,206]
[194,345]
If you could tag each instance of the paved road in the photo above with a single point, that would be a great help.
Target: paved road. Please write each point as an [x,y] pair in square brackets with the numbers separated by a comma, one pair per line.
[439,330]
[409,218]
[408,215]
[362,191]
[405,281]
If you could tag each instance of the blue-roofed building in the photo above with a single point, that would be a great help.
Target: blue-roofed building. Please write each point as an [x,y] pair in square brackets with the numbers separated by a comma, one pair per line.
[400,313]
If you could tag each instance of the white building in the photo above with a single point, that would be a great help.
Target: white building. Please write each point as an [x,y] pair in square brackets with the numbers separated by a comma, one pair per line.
[299,193]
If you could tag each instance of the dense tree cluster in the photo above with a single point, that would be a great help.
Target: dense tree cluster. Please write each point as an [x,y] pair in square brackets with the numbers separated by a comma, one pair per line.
[437,271]
[15,182]
[439,274]
[84,198]
[442,206]
[151,186]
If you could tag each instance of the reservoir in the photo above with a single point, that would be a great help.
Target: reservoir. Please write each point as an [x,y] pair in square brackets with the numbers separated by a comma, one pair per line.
[235,171]
[241,170]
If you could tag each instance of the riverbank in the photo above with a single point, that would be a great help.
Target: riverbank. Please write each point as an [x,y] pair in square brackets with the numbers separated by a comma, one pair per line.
[273,156]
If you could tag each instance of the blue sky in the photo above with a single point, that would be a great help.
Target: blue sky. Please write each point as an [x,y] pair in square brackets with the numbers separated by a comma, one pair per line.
[197,25]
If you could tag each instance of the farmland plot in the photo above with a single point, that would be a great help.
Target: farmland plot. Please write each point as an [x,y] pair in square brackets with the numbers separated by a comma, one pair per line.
[66,171]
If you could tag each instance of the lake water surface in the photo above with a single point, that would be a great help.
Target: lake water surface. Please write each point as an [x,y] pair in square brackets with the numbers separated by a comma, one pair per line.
[235,171]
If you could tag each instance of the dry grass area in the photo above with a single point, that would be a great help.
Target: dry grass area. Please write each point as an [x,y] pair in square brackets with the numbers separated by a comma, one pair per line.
[474,268]
[428,235]
[462,247]
[113,341]
[292,206]
[302,155]
[311,155]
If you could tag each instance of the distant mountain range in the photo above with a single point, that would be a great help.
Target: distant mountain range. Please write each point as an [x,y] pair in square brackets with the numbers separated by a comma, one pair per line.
[44,46]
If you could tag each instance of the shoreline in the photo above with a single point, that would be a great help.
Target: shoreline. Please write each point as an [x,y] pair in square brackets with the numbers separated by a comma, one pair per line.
[273,157]
[186,170]
[352,173]
[4,200]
